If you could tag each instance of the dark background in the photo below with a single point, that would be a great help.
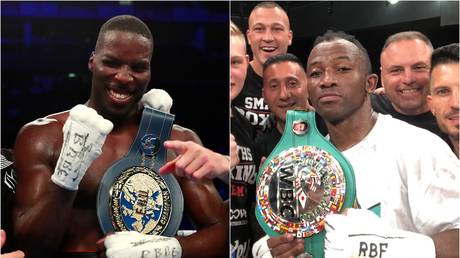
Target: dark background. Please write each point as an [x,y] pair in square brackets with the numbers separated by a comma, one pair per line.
[46,46]
[371,22]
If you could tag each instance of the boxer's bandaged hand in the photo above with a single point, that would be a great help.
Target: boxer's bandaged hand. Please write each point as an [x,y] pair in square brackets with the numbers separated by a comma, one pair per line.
[136,245]
[260,248]
[361,233]
[84,134]
[158,99]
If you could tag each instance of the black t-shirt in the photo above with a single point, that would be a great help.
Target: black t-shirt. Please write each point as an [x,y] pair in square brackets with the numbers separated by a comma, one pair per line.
[427,120]
[250,102]
[266,142]
[243,178]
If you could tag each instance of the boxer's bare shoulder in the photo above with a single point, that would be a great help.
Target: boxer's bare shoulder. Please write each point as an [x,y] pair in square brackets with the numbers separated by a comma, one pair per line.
[50,122]
[38,141]
[43,135]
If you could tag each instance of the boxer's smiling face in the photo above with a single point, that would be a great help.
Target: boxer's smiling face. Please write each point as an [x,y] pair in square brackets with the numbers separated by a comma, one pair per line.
[121,72]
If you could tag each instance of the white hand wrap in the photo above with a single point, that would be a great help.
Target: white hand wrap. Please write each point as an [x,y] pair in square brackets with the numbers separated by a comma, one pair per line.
[158,99]
[136,245]
[84,134]
[361,233]
[260,248]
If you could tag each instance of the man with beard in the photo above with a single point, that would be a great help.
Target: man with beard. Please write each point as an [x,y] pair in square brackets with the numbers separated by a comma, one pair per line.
[444,84]
[284,88]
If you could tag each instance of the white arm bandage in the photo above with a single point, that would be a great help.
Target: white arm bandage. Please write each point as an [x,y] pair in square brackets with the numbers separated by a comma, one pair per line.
[136,245]
[260,248]
[84,134]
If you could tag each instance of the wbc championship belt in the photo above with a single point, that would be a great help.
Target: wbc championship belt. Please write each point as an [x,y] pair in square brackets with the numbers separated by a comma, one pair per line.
[132,195]
[304,179]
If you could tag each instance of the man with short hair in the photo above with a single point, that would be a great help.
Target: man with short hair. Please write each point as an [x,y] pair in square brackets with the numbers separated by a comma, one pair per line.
[243,174]
[268,35]
[409,173]
[284,89]
[443,97]
[405,74]
[62,158]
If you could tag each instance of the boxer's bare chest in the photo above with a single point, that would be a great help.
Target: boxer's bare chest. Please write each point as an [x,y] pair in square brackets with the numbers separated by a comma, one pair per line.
[114,148]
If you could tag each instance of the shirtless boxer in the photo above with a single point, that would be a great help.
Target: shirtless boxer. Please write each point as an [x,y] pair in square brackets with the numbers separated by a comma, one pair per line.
[56,209]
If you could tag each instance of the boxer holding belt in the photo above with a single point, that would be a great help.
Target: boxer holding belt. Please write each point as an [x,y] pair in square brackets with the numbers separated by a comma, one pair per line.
[61,159]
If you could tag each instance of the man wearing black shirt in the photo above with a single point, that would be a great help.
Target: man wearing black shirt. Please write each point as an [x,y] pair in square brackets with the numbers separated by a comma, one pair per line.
[405,73]
[243,175]
[268,35]
[284,89]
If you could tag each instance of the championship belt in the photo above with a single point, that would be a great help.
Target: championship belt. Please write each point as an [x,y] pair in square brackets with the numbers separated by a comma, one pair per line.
[304,179]
[132,196]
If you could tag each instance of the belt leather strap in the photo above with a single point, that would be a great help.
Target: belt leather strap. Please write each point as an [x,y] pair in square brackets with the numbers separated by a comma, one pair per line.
[132,195]
[303,179]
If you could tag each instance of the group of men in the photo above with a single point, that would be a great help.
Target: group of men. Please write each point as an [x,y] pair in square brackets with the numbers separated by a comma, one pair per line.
[410,172]
[407,170]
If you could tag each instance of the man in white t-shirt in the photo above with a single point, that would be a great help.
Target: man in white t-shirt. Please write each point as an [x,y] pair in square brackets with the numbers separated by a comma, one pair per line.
[412,173]
[407,172]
